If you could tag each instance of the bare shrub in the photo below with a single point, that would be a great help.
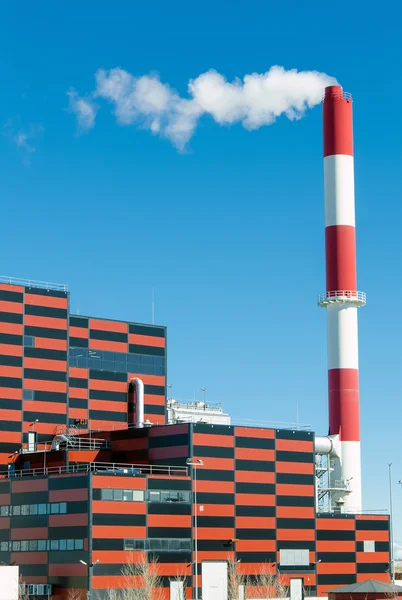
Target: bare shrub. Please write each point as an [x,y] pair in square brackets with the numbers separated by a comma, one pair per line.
[141,580]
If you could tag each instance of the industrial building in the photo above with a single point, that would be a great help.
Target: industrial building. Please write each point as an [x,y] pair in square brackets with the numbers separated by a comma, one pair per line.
[99,468]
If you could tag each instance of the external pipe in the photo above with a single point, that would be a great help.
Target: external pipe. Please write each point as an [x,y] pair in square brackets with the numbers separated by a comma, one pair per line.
[323,445]
[139,401]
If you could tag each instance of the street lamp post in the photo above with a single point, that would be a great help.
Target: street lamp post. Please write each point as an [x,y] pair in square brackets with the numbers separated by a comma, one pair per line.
[391,529]
[89,578]
[194,464]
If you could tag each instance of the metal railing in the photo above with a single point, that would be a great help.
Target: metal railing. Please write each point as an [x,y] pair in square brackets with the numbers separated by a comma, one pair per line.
[99,467]
[79,443]
[352,511]
[45,285]
[339,96]
[342,297]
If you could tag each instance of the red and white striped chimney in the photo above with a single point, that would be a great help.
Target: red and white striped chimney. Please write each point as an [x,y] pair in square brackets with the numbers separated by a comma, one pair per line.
[342,298]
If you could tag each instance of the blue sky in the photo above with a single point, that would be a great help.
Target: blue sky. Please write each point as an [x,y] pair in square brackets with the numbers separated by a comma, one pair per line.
[230,232]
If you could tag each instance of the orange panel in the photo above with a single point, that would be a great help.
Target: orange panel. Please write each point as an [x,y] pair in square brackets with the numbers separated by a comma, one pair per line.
[294,445]
[47,365]
[69,495]
[215,555]
[14,328]
[49,301]
[372,557]
[254,499]
[169,520]
[372,518]
[57,408]
[11,307]
[50,344]
[255,433]
[295,534]
[11,372]
[5,499]
[343,524]
[9,350]
[116,532]
[29,558]
[48,322]
[75,569]
[255,454]
[215,533]
[219,464]
[10,415]
[225,487]
[146,340]
[13,437]
[30,485]
[127,483]
[115,507]
[256,546]
[218,510]
[45,386]
[79,332]
[377,536]
[254,477]
[113,557]
[80,393]
[77,372]
[108,386]
[148,379]
[335,568]
[256,522]
[108,345]
[115,581]
[154,399]
[11,393]
[115,326]
[78,413]
[109,405]
[294,467]
[295,512]
[206,439]
[377,576]
[106,425]
[283,489]
[29,533]
[335,546]
[76,520]
[10,287]
[4,522]
[48,428]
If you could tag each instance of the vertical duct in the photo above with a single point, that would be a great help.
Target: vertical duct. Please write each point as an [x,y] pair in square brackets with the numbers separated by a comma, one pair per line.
[341,298]
[139,401]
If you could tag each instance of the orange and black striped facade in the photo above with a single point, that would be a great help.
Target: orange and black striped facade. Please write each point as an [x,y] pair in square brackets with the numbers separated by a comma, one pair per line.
[255,503]
[61,368]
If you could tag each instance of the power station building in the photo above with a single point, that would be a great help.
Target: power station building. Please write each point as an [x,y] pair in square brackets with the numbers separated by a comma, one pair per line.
[96,471]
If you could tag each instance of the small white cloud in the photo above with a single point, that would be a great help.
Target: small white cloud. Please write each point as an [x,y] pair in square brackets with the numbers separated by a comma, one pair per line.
[23,138]
[254,101]
[84,109]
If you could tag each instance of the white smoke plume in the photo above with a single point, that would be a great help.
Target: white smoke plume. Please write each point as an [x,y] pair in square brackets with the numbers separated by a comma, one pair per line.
[256,100]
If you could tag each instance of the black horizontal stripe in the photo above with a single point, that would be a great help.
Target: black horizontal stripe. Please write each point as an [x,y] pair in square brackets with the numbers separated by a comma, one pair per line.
[29,521]
[8,447]
[215,475]
[300,457]
[77,507]
[11,382]
[7,317]
[343,579]
[10,361]
[45,332]
[337,557]
[10,403]
[295,523]
[259,443]
[45,353]
[108,336]
[335,534]
[10,339]
[169,484]
[295,501]
[294,479]
[214,546]
[45,417]
[146,330]
[169,532]
[372,525]
[211,498]
[372,567]
[102,395]
[255,465]
[155,390]
[171,508]
[68,483]
[255,488]
[255,511]
[9,296]
[108,415]
[107,375]
[287,434]
[68,581]
[70,557]
[215,521]
[213,451]
[379,546]
[77,382]
[43,292]
[46,311]
[10,425]
[34,570]
[78,342]
[50,397]
[181,439]
[213,429]
[148,350]
[107,544]
[78,403]
[296,545]
[255,534]
[78,321]
[45,375]
[153,409]
[256,557]
[115,519]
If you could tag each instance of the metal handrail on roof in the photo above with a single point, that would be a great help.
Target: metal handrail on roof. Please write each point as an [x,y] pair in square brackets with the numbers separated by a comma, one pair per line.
[45,285]
[99,467]
[339,96]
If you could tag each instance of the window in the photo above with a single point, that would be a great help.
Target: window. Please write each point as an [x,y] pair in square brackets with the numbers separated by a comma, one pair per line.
[41,545]
[4,511]
[134,544]
[368,546]
[24,546]
[154,496]
[63,545]
[27,394]
[54,508]
[4,546]
[25,509]
[70,544]
[16,546]
[54,544]
[79,545]
[63,508]
[121,362]
[42,509]
[33,545]
[107,494]
[169,496]
[34,509]
[128,495]
[16,511]
[294,558]
[29,341]
[118,494]
[138,495]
